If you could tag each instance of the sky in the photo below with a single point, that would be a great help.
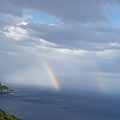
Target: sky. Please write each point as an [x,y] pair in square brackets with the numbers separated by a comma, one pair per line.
[75,42]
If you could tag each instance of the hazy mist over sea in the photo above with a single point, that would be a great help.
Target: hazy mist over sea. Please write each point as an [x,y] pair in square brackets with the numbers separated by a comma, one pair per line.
[30,103]
[61,58]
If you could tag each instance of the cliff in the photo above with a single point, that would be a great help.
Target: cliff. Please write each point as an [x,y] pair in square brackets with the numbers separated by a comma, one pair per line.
[4,89]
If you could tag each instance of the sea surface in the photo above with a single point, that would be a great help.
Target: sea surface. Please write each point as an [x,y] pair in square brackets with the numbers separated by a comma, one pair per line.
[44,104]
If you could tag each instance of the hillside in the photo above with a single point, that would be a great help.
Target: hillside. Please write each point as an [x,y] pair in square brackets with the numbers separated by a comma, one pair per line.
[5,116]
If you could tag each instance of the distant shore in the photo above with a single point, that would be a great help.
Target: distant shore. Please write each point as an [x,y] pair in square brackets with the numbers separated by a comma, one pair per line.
[4,89]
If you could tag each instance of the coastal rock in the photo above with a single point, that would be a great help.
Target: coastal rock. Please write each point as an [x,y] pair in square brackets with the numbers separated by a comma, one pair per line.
[4,89]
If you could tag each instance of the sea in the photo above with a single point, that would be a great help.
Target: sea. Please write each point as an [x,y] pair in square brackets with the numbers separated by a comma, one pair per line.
[34,103]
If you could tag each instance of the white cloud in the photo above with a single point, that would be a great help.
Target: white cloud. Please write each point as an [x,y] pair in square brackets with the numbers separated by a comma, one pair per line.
[114,44]
[108,54]
[16,33]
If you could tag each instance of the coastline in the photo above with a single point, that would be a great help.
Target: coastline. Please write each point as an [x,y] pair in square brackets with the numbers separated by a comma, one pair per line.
[5,89]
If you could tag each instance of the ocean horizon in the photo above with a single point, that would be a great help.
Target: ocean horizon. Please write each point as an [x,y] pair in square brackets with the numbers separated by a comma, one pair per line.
[30,103]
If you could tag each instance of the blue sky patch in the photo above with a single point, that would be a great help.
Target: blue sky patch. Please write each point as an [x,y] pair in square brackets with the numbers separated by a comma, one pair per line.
[40,17]
[113,15]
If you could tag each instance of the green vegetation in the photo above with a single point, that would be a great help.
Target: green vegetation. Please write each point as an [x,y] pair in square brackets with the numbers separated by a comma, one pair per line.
[5,116]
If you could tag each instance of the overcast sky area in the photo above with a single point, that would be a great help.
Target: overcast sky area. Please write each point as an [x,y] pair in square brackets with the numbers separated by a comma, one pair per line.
[78,39]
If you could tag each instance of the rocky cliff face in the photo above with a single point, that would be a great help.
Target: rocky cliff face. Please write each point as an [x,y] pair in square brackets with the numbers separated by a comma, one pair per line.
[4,89]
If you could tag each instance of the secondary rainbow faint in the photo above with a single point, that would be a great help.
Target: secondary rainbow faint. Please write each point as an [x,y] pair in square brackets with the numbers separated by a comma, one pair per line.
[52,76]
[98,78]
[100,83]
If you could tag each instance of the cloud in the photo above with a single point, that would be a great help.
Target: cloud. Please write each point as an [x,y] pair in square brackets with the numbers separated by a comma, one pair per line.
[67,11]
[21,63]
[10,20]
[95,37]
[8,7]
[74,49]
[15,32]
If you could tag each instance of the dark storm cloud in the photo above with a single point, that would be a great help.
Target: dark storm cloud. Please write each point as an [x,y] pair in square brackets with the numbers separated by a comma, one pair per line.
[67,10]
[8,7]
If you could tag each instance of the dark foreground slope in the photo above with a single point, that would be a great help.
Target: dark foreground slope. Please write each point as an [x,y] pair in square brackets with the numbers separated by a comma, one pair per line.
[5,116]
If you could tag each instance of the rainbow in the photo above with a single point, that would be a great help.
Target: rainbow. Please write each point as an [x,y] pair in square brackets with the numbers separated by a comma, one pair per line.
[100,83]
[52,76]
[99,79]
